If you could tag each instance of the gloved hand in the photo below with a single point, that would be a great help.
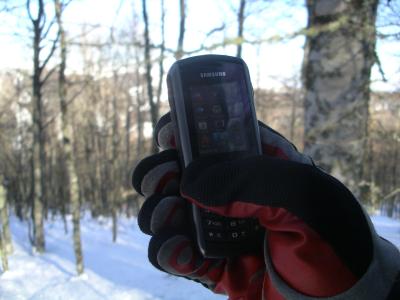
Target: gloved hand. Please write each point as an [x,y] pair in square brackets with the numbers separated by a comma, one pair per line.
[318,241]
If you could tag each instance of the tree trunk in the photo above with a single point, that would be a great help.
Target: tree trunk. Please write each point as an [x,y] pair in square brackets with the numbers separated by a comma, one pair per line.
[3,253]
[5,224]
[293,115]
[139,117]
[67,153]
[339,54]
[128,124]
[162,52]
[114,224]
[182,10]
[154,109]
[240,20]
[115,170]
[39,156]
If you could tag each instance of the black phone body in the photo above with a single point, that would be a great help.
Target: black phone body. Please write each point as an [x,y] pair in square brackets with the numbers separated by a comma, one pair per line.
[212,108]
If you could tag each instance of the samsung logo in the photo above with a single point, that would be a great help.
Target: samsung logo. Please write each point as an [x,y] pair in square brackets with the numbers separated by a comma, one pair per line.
[212,74]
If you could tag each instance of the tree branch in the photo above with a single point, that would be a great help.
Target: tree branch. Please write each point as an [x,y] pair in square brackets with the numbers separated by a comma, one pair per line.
[216,29]
[53,48]
[49,28]
[378,63]
[68,102]
[48,75]
[28,9]
[391,194]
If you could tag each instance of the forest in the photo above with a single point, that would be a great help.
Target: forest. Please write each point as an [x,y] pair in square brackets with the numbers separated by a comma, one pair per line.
[78,113]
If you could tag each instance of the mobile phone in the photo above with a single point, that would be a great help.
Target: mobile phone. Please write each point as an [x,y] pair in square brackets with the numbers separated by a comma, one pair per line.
[212,109]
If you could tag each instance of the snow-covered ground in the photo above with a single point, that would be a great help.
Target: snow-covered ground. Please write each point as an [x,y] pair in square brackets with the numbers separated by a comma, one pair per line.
[114,271]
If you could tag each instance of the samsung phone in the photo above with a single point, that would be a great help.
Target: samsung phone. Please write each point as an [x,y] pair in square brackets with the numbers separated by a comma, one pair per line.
[212,109]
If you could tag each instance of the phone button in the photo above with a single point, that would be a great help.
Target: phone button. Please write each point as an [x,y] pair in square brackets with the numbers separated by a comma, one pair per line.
[214,235]
[237,235]
[216,224]
[238,224]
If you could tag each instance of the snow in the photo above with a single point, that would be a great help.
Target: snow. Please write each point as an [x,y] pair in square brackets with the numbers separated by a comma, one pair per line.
[113,271]
[387,228]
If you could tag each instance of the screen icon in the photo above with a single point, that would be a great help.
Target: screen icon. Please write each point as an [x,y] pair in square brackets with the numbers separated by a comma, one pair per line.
[216,109]
[204,140]
[235,109]
[202,125]
[199,110]
[219,124]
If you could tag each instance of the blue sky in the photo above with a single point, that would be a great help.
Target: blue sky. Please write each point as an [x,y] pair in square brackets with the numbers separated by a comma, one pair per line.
[269,64]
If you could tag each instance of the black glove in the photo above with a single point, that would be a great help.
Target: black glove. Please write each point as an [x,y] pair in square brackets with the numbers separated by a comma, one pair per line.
[319,242]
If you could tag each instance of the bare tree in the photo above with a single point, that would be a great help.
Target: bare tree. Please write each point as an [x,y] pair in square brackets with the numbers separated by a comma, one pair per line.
[162,53]
[116,179]
[3,253]
[154,109]
[71,187]
[240,20]
[139,103]
[6,246]
[5,224]
[41,29]
[182,10]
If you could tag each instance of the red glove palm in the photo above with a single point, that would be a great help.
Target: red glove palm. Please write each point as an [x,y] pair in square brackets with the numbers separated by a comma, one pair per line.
[318,240]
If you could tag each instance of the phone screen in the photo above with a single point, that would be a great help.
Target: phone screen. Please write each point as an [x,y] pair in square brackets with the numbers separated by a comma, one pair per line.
[220,113]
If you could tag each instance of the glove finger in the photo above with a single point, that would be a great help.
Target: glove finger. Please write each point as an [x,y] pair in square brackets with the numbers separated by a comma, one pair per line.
[158,173]
[276,145]
[177,254]
[164,133]
[160,212]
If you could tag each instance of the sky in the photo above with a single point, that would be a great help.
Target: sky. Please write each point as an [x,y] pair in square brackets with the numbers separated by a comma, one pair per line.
[270,63]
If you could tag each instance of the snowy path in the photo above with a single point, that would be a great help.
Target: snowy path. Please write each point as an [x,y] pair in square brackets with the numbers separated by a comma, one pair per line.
[117,271]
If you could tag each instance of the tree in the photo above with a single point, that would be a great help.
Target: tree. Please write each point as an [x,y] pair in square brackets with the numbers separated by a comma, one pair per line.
[339,54]
[4,224]
[3,253]
[162,53]
[154,107]
[41,29]
[182,10]
[240,20]
[70,180]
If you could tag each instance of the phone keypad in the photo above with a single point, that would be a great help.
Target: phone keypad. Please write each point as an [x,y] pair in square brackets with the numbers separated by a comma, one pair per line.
[221,229]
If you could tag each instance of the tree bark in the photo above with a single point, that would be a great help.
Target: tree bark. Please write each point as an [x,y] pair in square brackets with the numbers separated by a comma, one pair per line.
[339,54]
[71,195]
